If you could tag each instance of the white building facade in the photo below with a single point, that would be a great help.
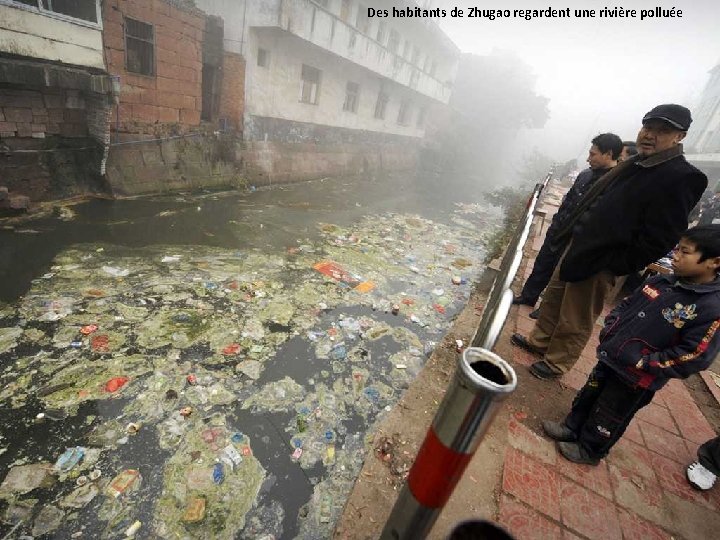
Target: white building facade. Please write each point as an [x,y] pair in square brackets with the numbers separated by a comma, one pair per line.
[324,70]
[704,137]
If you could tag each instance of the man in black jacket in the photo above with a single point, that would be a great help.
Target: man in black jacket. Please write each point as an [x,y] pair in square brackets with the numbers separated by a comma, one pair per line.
[629,218]
[603,155]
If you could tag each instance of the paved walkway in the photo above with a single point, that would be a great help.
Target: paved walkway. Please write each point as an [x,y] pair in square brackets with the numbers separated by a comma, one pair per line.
[638,492]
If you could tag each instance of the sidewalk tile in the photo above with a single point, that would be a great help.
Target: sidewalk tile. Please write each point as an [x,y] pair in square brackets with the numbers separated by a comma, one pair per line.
[532,482]
[710,382]
[595,478]
[671,476]
[665,443]
[677,387]
[574,379]
[585,365]
[641,495]
[524,310]
[524,439]
[524,523]
[633,433]
[632,457]
[522,357]
[693,424]
[588,513]
[657,416]
[524,325]
[569,535]
[635,528]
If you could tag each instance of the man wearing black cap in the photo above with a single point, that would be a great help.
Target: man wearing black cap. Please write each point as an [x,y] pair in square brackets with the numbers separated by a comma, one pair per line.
[630,217]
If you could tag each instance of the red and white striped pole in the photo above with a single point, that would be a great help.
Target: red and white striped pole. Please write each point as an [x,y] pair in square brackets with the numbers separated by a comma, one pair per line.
[481,382]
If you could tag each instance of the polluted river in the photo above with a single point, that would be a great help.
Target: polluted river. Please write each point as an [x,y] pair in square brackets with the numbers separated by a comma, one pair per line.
[213,365]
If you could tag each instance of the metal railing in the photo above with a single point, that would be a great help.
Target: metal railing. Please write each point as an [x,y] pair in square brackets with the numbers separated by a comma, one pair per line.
[500,297]
[482,381]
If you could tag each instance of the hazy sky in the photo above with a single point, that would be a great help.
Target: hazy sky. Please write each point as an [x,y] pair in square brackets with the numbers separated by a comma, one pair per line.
[600,74]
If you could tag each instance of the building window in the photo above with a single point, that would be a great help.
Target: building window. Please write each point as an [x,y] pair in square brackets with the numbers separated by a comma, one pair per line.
[352,40]
[139,47]
[363,21]
[404,113]
[86,10]
[345,10]
[309,92]
[380,105]
[433,68]
[381,32]
[421,118]
[263,58]
[426,65]
[352,97]
[394,41]
[416,55]
[406,50]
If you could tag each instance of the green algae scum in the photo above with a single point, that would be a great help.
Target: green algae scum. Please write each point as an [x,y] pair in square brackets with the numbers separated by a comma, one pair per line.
[219,389]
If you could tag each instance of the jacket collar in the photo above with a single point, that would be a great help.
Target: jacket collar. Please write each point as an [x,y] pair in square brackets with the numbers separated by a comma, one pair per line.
[713,286]
[660,157]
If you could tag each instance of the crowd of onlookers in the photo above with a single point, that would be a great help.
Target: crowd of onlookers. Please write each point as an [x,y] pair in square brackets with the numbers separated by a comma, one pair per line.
[627,210]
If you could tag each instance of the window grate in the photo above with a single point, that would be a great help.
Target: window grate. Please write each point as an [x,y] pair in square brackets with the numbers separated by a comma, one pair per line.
[139,47]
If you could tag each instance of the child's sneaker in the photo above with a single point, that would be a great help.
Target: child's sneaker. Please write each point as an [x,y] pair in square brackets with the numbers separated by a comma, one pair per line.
[699,477]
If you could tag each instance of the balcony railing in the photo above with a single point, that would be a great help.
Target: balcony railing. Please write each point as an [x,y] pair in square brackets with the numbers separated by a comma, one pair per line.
[313,23]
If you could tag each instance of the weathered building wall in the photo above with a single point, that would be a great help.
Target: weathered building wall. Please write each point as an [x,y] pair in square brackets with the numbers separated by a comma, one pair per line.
[168,98]
[232,96]
[183,163]
[25,31]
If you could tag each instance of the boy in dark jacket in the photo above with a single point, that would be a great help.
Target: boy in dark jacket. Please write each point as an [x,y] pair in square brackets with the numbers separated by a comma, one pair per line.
[668,328]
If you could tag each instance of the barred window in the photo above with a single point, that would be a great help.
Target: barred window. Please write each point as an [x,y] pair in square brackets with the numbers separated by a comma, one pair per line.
[139,47]
[404,113]
[352,97]
[380,105]
[309,91]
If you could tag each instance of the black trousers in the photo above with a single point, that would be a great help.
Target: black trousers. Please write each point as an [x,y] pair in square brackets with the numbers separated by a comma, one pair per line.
[602,410]
[542,271]
[709,455]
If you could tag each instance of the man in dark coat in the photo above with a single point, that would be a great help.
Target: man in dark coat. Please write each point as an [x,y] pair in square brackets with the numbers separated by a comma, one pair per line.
[603,156]
[629,218]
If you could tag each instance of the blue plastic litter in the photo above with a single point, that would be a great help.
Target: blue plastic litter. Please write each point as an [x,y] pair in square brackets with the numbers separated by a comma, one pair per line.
[338,352]
[218,473]
[372,394]
[69,459]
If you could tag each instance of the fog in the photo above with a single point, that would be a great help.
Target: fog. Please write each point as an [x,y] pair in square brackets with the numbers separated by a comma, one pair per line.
[599,74]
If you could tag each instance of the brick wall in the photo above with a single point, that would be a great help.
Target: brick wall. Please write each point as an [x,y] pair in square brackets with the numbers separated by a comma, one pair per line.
[170,101]
[38,113]
[232,94]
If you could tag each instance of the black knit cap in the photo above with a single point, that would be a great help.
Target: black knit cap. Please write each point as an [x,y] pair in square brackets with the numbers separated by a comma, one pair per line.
[675,115]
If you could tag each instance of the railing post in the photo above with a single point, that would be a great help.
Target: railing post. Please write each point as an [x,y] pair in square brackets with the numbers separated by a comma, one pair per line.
[482,380]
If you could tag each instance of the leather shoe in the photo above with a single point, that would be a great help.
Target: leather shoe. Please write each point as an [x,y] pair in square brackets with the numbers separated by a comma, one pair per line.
[542,370]
[558,431]
[521,341]
[572,451]
[534,314]
[521,300]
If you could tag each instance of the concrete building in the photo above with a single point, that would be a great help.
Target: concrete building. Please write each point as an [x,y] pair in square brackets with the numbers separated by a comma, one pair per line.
[55,97]
[703,140]
[359,89]
[177,87]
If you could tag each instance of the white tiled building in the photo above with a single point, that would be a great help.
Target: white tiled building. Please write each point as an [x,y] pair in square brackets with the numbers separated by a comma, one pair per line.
[325,70]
